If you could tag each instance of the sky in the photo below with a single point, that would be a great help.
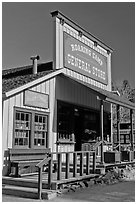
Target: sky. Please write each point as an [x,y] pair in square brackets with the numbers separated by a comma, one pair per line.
[27,29]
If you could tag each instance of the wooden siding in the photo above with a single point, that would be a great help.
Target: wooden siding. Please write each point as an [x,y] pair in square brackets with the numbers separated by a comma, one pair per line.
[17,101]
[75,93]
[52,116]
[5,123]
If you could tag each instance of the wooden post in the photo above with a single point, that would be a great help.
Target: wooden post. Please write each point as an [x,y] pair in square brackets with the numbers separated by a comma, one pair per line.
[129,156]
[101,130]
[59,166]
[74,164]
[87,163]
[50,172]
[118,126]
[81,163]
[40,182]
[94,162]
[67,165]
[131,122]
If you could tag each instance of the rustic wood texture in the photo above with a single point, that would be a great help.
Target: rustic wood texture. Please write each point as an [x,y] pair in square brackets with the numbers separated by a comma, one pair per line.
[101,128]
[67,165]
[87,163]
[81,163]
[94,162]
[118,126]
[50,170]
[40,183]
[74,164]
[59,170]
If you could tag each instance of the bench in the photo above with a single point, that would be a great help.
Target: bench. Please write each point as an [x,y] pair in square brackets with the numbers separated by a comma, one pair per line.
[23,161]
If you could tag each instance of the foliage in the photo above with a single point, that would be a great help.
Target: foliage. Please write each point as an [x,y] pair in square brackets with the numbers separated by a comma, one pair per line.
[128,93]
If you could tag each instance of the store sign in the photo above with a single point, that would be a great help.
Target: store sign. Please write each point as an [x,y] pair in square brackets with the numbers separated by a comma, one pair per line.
[36,99]
[84,60]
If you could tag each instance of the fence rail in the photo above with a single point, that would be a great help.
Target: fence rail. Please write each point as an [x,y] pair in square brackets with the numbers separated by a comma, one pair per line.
[80,162]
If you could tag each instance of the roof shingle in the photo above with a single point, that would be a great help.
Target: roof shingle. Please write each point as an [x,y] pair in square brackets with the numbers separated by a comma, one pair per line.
[16,77]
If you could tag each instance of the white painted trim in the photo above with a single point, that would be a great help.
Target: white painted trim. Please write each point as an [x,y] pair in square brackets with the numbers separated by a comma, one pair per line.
[35,82]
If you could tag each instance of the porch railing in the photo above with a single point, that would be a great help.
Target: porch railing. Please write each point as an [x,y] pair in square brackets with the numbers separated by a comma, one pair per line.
[82,162]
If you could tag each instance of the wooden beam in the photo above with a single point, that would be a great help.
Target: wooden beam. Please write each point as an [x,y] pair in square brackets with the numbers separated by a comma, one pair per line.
[67,165]
[87,163]
[131,122]
[94,161]
[118,126]
[40,183]
[59,157]
[81,163]
[43,162]
[74,164]
[34,82]
[50,172]
[101,129]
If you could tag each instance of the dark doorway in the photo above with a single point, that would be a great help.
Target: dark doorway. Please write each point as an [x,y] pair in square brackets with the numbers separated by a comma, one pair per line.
[78,125]
[78,128]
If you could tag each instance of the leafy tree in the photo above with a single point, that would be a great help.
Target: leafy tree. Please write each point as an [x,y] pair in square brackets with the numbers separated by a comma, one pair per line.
[128,93]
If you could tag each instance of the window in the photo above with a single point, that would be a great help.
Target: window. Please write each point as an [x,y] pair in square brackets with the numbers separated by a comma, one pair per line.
[22,129]
[40,130]
[30,129]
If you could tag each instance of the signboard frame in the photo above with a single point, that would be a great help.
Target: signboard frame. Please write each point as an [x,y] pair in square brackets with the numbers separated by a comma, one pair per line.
[36,94]
[105,82]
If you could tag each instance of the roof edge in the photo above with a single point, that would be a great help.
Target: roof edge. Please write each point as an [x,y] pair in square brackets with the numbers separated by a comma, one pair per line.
[105,95]
[32,83]
[85,32]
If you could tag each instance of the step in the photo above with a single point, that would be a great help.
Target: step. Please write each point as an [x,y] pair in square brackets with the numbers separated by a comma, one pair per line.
[25,192]
[22,182]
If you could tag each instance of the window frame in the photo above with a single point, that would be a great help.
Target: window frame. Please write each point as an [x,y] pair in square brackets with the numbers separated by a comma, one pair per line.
[32,113]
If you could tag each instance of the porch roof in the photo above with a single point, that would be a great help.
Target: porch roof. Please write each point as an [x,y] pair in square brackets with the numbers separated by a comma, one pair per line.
[106,95]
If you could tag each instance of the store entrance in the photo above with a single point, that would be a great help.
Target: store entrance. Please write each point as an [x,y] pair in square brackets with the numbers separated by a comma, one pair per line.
[78,125]
[86,127]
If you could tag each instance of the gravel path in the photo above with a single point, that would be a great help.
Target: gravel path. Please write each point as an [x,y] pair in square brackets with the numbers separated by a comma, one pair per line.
[119,192]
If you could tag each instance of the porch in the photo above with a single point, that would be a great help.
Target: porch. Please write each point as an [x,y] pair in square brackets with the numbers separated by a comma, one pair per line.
[59,170]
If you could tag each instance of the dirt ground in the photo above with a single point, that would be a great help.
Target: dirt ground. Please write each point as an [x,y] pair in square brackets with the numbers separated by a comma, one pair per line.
[119,192]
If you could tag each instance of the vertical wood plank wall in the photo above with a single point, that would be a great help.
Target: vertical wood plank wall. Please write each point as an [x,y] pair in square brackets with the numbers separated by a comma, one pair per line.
[52,133]
[77,94]
[17,101]
[5,124]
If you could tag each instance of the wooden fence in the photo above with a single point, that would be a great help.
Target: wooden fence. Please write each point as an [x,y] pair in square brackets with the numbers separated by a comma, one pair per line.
[80,162]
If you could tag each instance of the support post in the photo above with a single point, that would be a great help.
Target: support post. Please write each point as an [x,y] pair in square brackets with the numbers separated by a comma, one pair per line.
[131,122]
[94,162]
[101,130]
[87,163]
[81,164]
[59,166]
[74,164]
[40,183]
[50,172]
[118,126]
[67,165]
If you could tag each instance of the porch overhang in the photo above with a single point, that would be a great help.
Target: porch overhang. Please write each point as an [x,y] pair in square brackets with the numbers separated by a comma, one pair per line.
[107,96]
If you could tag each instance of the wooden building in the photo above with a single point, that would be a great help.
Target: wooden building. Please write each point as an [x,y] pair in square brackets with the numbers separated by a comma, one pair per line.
[61,104]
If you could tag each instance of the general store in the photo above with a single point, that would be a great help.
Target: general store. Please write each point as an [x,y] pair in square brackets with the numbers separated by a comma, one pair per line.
[65,104]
